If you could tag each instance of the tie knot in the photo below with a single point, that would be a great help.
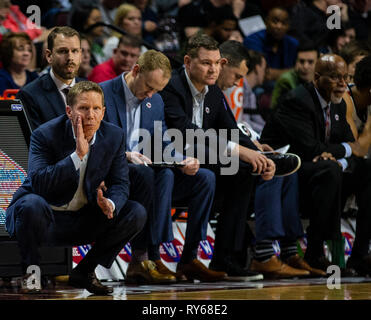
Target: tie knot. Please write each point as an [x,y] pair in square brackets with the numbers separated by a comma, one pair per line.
[66,90]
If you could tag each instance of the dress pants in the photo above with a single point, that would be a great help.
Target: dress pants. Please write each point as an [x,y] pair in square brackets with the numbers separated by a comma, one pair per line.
[168,187]
[38,225]
[232,200]
[277,209]
[325,188]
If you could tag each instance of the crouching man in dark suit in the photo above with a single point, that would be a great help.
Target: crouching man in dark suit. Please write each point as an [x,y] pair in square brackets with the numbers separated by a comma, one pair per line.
[77,189]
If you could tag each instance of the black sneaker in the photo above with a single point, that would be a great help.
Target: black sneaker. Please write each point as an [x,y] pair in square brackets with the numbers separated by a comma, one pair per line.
[237,273]
[286,164]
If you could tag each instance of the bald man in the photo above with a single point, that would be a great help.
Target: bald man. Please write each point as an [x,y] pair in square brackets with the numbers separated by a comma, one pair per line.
[312,119]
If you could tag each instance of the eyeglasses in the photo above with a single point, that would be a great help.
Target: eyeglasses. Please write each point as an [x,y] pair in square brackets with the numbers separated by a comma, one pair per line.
[336,77]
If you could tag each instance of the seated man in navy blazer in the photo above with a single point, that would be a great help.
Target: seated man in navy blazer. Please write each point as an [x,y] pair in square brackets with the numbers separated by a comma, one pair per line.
[76,191]
[133,103]
[45,97]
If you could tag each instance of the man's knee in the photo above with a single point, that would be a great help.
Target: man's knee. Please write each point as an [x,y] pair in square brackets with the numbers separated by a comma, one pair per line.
[31,207]
[139,215]
[206,178]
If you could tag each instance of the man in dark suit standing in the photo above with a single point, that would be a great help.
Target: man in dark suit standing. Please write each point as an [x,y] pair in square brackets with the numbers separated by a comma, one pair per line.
[134,104]
[312,119]
[77,190]
[193,101]
[45,97]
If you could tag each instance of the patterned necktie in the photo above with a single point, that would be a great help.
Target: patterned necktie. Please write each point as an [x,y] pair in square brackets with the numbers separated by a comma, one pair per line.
[327,123]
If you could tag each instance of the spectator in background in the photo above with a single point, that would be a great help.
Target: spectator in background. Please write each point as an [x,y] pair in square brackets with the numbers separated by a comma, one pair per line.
[196,15]
[124,57]
[243,9]
[303,72]
[149,20]
[16,21]
[338,38]
[108,9]
[358,100]
[129,19]
[360,17]
[308,21]
[85,66]
[255,77]
[352,53]
[221,24]
[278,48]
[84,14]
[16,55]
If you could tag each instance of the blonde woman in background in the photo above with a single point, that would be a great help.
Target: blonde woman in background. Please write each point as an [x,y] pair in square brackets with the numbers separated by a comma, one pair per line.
[129,18]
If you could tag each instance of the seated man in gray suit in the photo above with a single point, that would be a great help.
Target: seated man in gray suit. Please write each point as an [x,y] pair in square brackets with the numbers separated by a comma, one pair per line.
[76,191]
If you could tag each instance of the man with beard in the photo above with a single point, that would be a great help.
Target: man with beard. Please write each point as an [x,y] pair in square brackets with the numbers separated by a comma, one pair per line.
[45,98]
[312,119]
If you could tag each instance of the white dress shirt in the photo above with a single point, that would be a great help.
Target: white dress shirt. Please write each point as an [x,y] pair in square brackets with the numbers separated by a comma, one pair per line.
[61,85]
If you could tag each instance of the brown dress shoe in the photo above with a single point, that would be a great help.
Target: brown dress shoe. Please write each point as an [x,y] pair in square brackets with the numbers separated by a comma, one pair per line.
[298,262]
[146,273]
[197,270]
[275,268]
[88,281]
[165,270]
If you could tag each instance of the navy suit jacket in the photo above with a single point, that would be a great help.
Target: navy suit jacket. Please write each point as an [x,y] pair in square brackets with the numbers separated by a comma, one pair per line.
[52,174]
[152,109]
[42,100]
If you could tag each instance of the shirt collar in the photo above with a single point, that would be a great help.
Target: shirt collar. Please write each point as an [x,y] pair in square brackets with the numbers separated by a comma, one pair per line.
[322,101]
[129,96]
[60,84]
[193,89]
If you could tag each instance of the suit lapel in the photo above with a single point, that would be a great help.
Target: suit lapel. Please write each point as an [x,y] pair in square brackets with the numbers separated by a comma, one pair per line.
[187,94]
[146,117]
[318,112]
[118,111]
[56,104]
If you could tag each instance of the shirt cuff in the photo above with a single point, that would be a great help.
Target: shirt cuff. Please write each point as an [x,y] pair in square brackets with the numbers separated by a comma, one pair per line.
[113,204]
[348,150]
[76,160]
[230,146]
[344,163]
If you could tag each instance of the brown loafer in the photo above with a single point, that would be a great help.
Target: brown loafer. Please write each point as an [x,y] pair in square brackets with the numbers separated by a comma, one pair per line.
[197,270]
[298,262]
[275,268]
[146,273]
[165,270]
